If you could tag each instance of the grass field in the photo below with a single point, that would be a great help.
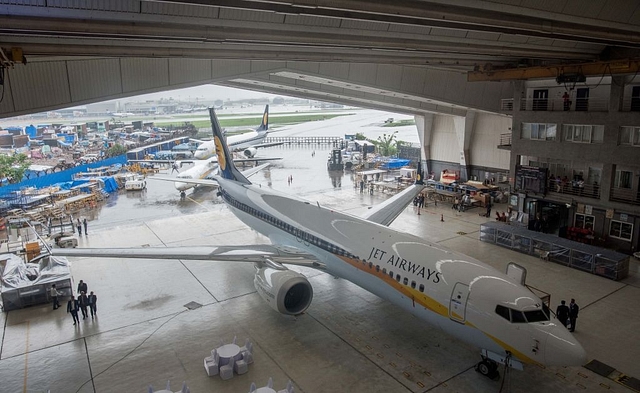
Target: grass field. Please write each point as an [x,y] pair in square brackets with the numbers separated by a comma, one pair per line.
[407,122]
[250,121]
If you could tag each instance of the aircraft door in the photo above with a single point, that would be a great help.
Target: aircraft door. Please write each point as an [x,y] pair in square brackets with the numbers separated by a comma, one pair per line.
[458,302]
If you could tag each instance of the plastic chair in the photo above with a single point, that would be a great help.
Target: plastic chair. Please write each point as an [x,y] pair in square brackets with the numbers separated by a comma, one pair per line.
[247,357]
[241,367]
[246,345]
[226,371]
[211,364]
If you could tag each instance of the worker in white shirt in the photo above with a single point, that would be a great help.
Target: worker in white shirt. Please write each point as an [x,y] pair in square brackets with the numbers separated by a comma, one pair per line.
[54,296]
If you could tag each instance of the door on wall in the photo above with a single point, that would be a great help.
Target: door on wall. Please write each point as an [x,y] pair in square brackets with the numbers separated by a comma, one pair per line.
[540,100]
[582,99]
[458,302]
[635,98]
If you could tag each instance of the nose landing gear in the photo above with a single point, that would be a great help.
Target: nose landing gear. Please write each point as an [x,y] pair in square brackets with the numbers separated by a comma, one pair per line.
[488,368]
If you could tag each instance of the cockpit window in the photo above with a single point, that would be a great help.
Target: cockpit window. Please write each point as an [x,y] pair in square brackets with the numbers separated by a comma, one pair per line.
[503,312]
[516,316]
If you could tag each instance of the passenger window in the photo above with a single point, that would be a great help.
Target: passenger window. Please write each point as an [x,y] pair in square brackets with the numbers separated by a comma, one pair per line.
[413,284]
[370,265]
[405,281]
[421,288]
[503,312]
[377,268]
[517,316]
[397,277]
[391,273]
[384,270]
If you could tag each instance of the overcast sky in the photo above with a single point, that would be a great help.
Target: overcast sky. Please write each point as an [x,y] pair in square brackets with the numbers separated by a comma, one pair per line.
[207,92]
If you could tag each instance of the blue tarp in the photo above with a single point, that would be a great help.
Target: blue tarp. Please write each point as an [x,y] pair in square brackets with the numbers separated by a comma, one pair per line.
[32,131]
[395,163]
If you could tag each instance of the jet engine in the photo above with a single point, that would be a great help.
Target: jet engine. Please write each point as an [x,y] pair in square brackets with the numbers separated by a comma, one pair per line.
[284,290]
[250,152]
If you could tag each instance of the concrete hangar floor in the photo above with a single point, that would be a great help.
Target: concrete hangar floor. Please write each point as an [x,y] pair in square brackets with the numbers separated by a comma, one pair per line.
[348,341]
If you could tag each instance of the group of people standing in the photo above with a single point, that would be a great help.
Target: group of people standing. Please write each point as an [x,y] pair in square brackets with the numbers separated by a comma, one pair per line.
[82,303]
[568,314]
[80,224]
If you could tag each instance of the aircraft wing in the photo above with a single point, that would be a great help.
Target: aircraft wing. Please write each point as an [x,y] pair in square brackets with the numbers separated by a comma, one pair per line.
[260,145]
[253,159]
[208,182]
[243,253]
[384,213]
[154,161]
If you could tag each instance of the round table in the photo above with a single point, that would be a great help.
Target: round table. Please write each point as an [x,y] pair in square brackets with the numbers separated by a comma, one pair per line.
[228,351]
[265,390]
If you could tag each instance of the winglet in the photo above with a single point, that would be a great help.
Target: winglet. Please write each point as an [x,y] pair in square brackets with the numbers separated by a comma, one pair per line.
[225,160]
[419,175]
[264,126]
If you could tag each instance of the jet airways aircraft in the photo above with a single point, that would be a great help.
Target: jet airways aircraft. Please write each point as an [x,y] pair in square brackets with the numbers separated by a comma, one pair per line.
[248,143]
[454,292]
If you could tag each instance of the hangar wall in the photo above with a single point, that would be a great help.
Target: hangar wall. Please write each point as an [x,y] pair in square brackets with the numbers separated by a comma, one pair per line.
[485,139]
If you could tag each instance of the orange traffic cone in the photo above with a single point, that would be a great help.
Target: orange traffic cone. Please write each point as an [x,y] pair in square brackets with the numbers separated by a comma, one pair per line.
[441,217]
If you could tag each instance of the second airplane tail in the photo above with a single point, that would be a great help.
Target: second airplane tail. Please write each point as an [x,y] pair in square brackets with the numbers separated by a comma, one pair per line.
[264,125]
[225,159]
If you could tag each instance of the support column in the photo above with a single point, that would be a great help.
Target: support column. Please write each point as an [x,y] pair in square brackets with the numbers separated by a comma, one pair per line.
[616,93]
[464,130]
[424,124]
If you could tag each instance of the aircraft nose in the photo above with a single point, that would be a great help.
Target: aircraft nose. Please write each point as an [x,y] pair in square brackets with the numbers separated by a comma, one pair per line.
[564,350]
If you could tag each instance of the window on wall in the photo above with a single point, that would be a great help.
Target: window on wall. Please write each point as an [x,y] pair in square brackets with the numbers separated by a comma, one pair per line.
[623,179]
[539,131]
[584,221]
[621,230]
[583,133]
[630,136]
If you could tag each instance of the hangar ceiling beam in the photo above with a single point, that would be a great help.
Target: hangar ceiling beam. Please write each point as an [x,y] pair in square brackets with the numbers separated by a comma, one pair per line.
[599,68]
[481,16]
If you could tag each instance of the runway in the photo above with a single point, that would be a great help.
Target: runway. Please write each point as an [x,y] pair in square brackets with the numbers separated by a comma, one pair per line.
[348,341]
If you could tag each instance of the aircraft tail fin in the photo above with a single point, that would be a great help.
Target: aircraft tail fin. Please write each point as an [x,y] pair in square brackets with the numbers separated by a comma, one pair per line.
[264,126]
[227,168]
[419,174]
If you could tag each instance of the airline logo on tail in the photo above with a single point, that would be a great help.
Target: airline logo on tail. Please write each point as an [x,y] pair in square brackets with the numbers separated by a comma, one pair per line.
[222,160]
[264,126]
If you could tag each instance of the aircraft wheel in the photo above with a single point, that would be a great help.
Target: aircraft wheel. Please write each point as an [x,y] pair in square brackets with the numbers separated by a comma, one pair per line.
[488,368]
[183,194]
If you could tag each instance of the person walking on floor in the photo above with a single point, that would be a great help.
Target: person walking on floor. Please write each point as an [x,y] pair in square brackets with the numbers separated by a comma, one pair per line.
[79,226]
[72,307]
[93,304]
[82,287]
[54,296]
[488,210]
[84,224]
[83,302]
[562,313]
[573,314]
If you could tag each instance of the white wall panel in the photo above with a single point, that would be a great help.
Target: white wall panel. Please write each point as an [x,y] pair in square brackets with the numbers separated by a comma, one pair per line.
[389,76]
[444,142]
[83,83]
[188,70]
[485,139]
[363,73]
[162,8]
[249,15]
[334,70]
[223,68]
[139,74]
[412,80]
[102,5]
[259,65]
[39,85]
[6,104]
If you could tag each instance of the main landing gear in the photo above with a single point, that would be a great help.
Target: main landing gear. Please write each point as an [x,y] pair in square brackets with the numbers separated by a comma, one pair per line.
[488,368]
[183,194]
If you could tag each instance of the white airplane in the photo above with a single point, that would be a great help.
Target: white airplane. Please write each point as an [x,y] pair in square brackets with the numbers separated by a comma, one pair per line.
[203,169]
[464,297]
[248,143]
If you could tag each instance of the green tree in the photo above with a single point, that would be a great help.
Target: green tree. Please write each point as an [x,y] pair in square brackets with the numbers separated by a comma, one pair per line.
[116,150]
[360,136]
[386,144]
[13,167]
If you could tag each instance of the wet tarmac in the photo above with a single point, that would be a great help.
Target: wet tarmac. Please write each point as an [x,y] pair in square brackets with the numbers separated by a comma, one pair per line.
[305,163]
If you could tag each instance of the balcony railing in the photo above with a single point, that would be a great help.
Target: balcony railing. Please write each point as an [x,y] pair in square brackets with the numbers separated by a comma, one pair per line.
[506,104]
[559,105]
[624,195]
[631,104]
[574,188]
[505,140]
